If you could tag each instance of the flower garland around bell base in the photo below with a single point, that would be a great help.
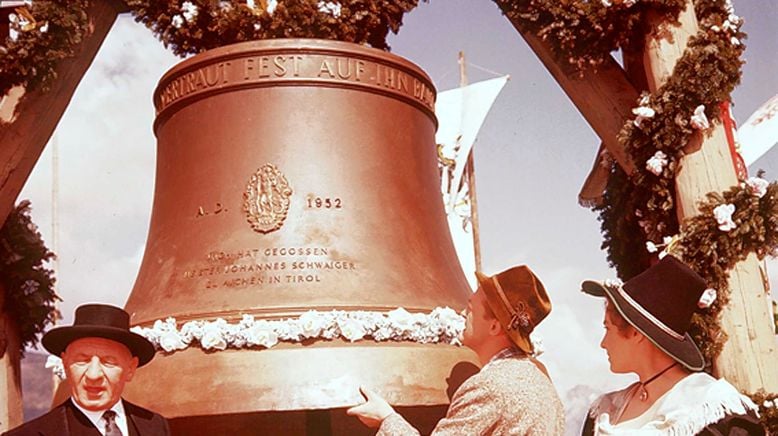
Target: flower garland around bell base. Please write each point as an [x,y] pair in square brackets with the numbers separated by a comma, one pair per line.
[442,325]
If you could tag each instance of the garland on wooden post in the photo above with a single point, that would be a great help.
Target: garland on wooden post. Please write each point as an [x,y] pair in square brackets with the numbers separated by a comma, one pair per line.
[638,211]
[28,284]
[41,34]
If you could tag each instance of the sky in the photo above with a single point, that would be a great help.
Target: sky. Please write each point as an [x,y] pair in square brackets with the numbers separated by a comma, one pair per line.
[532,156]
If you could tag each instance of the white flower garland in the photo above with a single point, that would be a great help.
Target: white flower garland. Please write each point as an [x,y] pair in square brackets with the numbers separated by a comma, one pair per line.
[442,325]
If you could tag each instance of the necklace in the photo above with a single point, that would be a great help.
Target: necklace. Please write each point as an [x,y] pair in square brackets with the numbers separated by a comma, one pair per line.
[642,385]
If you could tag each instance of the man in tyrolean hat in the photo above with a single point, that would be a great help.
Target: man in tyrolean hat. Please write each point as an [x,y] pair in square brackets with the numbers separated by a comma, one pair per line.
[511,394]
[100,355]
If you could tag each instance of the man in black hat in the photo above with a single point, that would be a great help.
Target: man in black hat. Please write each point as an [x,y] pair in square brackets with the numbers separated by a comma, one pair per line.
[100,355]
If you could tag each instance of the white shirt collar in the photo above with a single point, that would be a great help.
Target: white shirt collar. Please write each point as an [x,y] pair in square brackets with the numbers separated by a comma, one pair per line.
[96,417]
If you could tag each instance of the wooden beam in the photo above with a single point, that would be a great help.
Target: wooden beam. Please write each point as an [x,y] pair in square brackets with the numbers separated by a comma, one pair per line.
[604,97]
[37,113]
[749,355]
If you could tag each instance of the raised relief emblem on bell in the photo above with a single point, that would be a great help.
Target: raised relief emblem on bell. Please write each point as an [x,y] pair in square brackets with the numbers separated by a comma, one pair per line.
[266,200]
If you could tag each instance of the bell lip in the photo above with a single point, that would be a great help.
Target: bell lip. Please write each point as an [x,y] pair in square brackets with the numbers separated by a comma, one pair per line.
[327,379]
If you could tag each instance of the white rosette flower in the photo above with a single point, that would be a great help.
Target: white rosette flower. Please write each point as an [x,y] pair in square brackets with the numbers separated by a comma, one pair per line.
[246,321]
[288,330]
[656,164]
[723,214]
[371,321]
[383,330]
[607,3]
[311,324]
[177,21]
[351,329]
[233,334]
[271,6]
[758,186]
[329,7]
[699,120]
[145,332]
[213,337]
[452,324]
[262,334]
[329,328]
[642,113]
[55,364]
[707,298]
[400,320]
[189,10]
[651,247]
[169,337]
[192,330]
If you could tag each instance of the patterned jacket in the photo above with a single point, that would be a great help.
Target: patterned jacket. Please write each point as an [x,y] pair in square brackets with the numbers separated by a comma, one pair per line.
[509,396]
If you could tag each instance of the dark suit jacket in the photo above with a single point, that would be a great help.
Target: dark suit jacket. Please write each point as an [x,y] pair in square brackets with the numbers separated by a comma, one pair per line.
[67,420]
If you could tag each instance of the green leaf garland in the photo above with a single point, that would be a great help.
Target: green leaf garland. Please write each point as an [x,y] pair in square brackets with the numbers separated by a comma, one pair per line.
[28,284]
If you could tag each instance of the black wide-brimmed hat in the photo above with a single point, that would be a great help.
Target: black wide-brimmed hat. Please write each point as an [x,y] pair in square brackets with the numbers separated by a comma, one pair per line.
[99,321]
[659,303]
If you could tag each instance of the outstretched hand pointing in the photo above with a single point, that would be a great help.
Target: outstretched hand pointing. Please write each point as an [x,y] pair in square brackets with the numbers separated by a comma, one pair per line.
[373,411]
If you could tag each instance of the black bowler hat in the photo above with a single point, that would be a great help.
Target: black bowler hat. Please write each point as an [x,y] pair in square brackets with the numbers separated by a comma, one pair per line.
[99,321]
[659,303]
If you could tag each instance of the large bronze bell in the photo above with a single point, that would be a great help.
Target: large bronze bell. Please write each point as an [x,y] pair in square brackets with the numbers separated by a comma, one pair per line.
[295,175]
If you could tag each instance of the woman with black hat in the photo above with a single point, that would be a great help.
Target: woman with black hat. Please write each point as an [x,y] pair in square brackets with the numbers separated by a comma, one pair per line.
[646,323]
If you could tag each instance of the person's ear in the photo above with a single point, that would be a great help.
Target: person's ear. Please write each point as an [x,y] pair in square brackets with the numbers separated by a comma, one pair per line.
[495,328]
[635,335]
[132,366]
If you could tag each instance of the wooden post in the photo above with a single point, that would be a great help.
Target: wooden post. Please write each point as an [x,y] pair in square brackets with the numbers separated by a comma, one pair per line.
[11,410]
[749,357]
[23,139]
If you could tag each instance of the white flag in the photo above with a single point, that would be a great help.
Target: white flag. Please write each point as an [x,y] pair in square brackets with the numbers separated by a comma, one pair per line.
[460,113]
[760,133]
